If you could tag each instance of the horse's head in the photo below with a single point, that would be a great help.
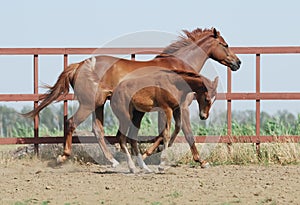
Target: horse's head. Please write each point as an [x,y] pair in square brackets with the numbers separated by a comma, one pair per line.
[221,52]
[194,47]
[207,98]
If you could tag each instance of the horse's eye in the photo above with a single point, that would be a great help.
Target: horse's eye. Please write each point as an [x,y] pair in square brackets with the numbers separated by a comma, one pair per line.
[225,45]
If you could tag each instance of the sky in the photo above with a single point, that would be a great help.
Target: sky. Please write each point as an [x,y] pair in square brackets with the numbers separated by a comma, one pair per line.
[93,23]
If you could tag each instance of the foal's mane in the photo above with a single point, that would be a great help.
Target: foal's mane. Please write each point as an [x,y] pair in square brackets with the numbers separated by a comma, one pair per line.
[191,74]
[186,39]
[185,73]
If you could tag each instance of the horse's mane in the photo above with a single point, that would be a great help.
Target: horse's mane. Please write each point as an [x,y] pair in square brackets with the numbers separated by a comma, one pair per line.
[186,39]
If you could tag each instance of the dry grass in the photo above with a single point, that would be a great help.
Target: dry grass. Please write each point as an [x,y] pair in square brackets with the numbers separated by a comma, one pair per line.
[216,154]
[243,154]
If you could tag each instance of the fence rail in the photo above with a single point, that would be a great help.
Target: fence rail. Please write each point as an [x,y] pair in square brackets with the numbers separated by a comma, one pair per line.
[228,95]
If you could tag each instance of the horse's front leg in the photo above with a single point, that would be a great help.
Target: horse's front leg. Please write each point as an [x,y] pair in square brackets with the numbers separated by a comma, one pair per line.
[187,129]
[140,160]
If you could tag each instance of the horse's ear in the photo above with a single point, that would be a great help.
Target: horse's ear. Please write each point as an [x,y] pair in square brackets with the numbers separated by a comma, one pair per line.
[215,83]
[215,33]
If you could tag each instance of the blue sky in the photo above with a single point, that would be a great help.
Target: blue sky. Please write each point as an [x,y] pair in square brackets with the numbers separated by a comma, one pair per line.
[76,23]
[95,23]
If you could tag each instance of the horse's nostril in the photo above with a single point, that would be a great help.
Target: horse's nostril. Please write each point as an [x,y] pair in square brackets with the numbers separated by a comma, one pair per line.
[203,117]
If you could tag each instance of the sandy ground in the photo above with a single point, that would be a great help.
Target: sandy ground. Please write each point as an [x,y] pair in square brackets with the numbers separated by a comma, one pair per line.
[32,181]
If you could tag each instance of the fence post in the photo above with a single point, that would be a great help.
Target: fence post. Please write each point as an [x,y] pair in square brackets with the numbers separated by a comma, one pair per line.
[133,56]
[229,113]
[36,103]
[257,125]
[65,102]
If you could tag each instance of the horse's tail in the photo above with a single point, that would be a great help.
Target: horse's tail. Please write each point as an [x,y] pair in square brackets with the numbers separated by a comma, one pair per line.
[60,88]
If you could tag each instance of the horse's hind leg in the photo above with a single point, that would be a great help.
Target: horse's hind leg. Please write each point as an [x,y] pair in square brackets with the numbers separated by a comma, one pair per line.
[132,134]
[81,114]
[166,139]
[151,149]
[177,119]
[99,132]
[159,139]
[122,140]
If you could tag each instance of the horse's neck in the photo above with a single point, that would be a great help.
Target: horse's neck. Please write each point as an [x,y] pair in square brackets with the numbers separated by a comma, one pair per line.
[195,55]
[190,84]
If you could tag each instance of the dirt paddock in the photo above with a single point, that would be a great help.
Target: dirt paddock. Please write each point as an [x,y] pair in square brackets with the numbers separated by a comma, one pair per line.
[34,181]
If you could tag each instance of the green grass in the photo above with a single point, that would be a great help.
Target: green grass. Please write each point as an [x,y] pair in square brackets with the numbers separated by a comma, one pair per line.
[282,123]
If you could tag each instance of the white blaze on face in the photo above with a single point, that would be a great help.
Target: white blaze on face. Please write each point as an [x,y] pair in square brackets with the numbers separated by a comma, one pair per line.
[203,114]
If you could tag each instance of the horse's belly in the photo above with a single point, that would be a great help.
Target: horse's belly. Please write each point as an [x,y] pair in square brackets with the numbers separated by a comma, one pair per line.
[142,103]
[143,107]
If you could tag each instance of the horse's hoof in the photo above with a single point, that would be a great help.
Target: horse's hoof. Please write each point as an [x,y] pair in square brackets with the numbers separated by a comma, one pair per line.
[144,156]
[115,163]
[161,168]
[61,159]
[205,165]
[147,170]
[133,170]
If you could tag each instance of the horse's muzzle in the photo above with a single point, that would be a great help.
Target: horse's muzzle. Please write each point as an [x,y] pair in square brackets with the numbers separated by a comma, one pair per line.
[203,116]
[235,65]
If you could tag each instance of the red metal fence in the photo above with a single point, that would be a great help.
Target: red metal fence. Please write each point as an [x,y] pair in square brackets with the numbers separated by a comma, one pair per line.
[256,96]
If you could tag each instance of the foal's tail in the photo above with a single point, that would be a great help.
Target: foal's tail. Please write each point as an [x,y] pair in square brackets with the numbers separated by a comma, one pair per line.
[60,88]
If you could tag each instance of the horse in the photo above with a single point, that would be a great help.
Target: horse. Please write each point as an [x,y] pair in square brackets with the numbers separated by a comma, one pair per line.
[91,76]
[157,89]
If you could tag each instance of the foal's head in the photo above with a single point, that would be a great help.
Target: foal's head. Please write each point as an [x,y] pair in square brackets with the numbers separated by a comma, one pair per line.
[206,99]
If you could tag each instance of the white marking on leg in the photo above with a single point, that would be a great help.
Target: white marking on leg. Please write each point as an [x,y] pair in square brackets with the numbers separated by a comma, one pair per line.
[142,164]
[205,165]
[131,164]
[114,162]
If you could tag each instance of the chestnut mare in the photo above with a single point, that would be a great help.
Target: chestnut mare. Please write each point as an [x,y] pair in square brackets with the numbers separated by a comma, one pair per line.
[152,89]
[190,52]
